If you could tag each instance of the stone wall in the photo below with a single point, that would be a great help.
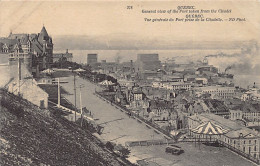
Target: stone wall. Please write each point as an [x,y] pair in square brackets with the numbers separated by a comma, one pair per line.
[30,91]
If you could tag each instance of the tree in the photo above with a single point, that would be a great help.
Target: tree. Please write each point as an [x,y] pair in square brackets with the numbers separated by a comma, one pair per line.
[110,146]
[124,151]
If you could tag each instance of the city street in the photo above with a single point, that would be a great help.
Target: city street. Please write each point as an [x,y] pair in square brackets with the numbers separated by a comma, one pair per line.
[118,126]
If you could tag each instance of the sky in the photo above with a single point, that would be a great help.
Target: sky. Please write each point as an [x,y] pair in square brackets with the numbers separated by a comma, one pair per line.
[112,19]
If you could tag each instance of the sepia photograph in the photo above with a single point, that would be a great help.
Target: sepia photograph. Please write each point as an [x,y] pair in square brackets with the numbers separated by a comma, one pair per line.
[129,83]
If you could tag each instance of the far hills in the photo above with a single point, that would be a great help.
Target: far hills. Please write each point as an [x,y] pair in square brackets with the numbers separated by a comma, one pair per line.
[124,42]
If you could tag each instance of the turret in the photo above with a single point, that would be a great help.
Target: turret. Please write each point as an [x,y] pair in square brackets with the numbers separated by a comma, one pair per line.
[43,35]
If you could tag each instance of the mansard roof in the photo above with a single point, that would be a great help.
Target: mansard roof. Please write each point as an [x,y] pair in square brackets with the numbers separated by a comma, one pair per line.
[8,42]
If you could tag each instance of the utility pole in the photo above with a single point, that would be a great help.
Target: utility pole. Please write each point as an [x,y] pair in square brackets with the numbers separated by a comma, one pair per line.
[81,109]
[75,94]
[58,92]
[80,99]
[19,73]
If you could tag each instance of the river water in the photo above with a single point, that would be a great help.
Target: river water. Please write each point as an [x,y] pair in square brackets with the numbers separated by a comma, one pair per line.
[180,56]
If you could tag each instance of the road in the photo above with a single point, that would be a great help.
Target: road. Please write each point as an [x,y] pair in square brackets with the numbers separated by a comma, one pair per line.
[118,126]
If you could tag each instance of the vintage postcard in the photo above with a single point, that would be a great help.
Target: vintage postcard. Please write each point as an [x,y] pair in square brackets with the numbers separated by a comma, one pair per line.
[147,83]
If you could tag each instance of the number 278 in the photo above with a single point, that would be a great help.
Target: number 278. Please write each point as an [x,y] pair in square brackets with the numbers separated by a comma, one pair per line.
[129,7]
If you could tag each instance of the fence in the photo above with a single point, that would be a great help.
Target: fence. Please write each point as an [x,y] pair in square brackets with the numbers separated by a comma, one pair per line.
[202,140]
[150,124]
[149,143]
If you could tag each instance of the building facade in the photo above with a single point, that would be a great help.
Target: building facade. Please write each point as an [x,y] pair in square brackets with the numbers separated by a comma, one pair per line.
[92,59]
[147,62]
[217,92]
[34,50]
[58,57]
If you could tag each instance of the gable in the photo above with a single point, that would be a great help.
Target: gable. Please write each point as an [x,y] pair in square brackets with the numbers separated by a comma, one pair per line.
[5,46]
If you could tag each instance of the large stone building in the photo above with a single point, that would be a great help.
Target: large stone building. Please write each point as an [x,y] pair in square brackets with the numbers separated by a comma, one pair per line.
[61,57]
[92,59]
[147,62]
[216,92]
[34,50]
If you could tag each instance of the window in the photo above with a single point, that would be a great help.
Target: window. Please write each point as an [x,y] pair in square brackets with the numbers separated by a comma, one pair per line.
[244,149]
[249,141]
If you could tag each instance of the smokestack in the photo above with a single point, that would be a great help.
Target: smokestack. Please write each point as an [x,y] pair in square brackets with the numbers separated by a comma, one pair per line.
[131,65]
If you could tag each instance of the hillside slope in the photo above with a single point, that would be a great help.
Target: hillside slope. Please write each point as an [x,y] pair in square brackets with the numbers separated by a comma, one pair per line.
[31,136]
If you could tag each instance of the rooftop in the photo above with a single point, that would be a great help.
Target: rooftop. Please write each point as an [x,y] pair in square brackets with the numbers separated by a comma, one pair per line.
[235,128]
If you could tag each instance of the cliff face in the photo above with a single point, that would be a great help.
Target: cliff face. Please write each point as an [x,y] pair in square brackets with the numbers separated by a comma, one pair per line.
[30,136]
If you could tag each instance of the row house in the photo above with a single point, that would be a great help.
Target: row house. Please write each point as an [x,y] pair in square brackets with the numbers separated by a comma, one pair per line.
[172,85]
[137,99]
[162,110]
[216,92]
[249,112]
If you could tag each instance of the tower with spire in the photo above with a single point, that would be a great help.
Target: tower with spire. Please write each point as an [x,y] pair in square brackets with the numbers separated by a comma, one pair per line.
[47,46]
